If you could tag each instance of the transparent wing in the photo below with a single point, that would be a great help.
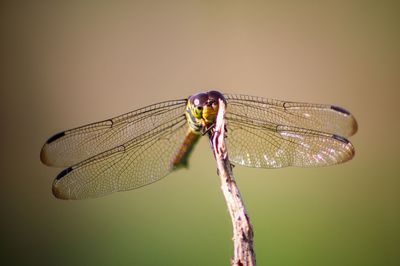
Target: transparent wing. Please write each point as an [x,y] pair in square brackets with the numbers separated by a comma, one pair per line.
[72,146]
[267,145]
[271,134]
[141,161]
[318,117]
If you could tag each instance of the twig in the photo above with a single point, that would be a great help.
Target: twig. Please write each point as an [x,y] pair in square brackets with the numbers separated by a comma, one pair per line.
[242,229]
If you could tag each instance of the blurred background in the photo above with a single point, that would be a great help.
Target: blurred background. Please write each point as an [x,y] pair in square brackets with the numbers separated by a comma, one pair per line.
[65,64]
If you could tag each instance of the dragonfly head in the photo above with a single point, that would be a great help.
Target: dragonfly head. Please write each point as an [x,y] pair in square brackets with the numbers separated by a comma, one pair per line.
[204,106]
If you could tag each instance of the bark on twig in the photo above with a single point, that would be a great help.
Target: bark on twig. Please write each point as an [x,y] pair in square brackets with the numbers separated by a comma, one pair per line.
[242,229]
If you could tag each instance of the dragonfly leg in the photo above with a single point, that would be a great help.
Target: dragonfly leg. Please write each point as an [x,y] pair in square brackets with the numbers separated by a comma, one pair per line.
[207,130]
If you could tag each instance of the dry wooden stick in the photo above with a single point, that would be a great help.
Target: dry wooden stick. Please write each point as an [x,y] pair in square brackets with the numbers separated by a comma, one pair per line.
[242,229]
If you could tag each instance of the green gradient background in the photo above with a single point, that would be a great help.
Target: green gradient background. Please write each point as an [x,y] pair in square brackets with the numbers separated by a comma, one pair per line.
[65,64]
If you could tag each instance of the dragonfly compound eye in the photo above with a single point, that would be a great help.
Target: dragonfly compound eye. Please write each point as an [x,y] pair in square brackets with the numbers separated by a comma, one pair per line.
[199,99]
[214,96]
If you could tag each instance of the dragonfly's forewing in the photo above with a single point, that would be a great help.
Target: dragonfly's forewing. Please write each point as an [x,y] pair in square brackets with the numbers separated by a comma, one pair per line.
[318,117]
[139,162]
[73,146]
[271,134]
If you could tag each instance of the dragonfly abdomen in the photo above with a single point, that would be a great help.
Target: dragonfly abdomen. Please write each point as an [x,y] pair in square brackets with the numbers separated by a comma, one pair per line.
[182,156]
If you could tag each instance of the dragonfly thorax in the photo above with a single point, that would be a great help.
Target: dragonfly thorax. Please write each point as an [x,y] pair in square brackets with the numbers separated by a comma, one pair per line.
[202,109]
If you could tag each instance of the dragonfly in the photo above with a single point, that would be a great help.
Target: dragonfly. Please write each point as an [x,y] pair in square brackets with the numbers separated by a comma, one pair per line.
[141,147]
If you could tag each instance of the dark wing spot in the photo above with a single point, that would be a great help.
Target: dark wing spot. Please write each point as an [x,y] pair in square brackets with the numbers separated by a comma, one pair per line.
[340,110]
[63,173]
[339,138]
[55,137]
